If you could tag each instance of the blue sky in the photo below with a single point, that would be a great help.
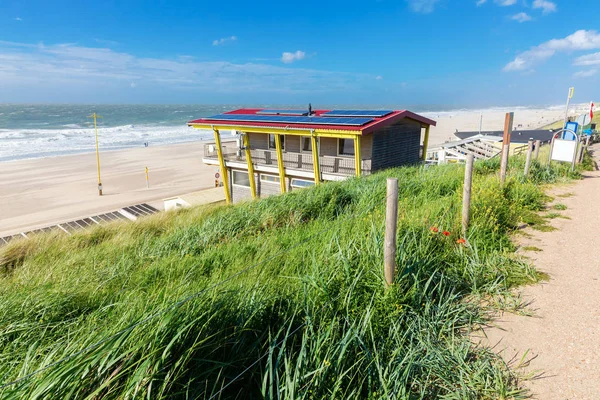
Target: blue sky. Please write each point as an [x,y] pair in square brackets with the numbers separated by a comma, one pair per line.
[446,53]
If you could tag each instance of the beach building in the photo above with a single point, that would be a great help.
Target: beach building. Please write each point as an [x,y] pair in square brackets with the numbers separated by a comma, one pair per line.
[282,150]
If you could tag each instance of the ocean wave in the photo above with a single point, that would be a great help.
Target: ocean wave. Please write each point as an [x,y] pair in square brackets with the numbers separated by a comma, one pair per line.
[37,143]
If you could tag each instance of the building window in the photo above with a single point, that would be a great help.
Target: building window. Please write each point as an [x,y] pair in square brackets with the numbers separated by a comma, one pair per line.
[269,178]
[301,183]
[272,141]
[306,144]
[241,178]
[345,147]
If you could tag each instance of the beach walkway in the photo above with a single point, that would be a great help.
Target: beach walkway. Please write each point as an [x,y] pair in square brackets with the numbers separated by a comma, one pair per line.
[563,335]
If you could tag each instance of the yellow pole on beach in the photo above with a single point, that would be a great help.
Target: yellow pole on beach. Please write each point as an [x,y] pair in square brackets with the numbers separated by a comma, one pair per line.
[147,180]
[95,116]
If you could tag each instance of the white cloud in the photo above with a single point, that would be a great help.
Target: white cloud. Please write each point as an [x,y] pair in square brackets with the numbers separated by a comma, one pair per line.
[422,6]
[218,42]
[585,74]
[379,77]
[18,19]
[288,57]
[589,59]
[580,40]
[506,3]
[521,17]
[33,69]
[480,2]
[546,6]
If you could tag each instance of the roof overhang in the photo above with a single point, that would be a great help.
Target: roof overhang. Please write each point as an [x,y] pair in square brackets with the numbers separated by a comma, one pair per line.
[309,129]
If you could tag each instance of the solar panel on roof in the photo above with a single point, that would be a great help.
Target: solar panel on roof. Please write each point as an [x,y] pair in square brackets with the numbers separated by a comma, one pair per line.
[288,112]
[291,119]
[357,113]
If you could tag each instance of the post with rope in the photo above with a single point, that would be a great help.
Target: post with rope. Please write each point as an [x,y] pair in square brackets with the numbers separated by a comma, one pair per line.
[95,116]
[391,225]
[466,210]
[528,159]
[508,124]
[538,144]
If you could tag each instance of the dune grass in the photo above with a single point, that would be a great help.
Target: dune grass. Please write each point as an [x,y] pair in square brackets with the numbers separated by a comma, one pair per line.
[283,297]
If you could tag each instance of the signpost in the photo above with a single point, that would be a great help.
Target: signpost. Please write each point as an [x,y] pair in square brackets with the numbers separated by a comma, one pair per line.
[571,93]
[563,149]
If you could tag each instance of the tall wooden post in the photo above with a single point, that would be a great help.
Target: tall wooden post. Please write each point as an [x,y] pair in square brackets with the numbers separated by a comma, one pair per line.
[222,165]
[538,144]
[357,156]
[391,224]
[528,158]
[316,162]
[466,210]
[280,162]
[246,141]
[508,124]
[587,143]
[425,143]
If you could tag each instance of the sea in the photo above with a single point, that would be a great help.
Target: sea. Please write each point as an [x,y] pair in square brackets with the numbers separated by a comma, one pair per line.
[35,131]
[46,130]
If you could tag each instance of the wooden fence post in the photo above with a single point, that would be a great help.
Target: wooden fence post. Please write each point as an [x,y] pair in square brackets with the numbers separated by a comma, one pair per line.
[579,151]
[466,211]
[508,124]
[528,159]
[538,144]
[391,224]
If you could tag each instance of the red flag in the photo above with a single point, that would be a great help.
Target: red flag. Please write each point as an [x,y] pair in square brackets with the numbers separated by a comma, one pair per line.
[592,110]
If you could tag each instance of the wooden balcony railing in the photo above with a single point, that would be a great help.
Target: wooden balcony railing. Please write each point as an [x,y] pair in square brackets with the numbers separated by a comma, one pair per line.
[300,161]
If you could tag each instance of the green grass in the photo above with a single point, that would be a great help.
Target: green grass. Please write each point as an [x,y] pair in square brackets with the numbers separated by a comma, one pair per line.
[565,195]
[310,318]
[559,206]
[532,248]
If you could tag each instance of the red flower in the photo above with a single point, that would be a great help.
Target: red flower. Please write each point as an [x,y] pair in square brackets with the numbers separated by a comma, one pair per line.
[446,233]
[434,229]
[461,241]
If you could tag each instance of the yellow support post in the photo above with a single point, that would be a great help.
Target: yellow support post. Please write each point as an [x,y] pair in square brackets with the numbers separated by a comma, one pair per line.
[316,163]
[425,143]
[280,162]
[357,156]
[223,168]
[250,165]
[94,115]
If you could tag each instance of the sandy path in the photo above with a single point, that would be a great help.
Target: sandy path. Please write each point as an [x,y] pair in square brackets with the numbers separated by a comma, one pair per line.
[40,192]
[564,335]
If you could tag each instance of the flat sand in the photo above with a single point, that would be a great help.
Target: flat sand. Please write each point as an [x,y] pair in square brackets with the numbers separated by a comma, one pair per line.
[563,335]
[39,192]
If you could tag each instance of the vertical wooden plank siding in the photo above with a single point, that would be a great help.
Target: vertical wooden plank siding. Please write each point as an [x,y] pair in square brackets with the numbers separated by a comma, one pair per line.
[316,162]
[357,156]
[250,166]
[222,165]
[280,162]
[425,143]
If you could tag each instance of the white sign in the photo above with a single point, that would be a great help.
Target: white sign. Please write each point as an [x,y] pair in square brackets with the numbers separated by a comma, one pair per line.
[564,150]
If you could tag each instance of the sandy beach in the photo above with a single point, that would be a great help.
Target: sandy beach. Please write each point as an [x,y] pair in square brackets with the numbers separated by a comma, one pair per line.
[39,192]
